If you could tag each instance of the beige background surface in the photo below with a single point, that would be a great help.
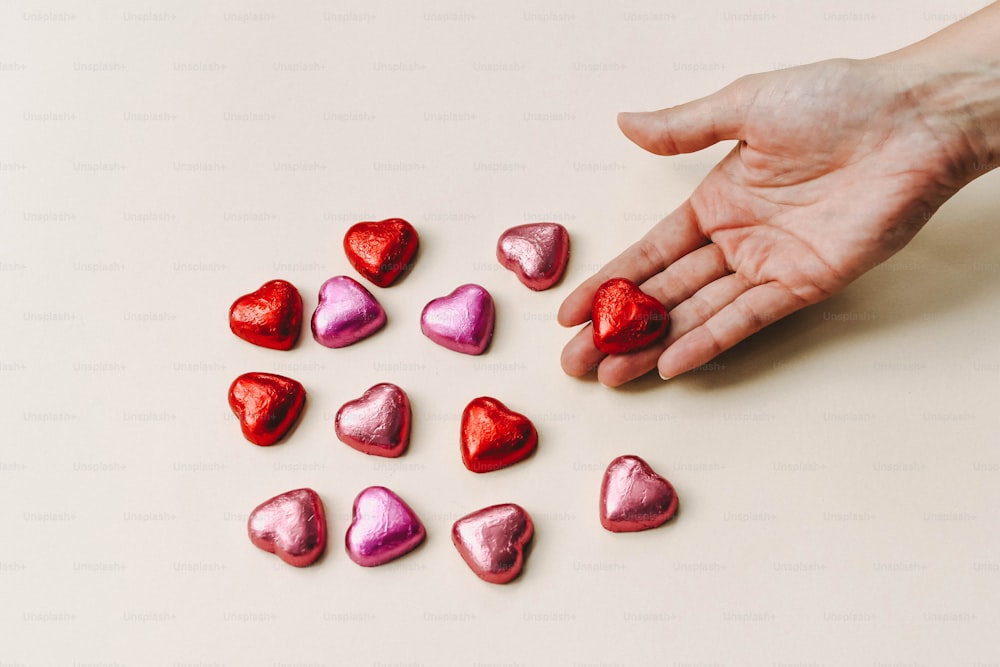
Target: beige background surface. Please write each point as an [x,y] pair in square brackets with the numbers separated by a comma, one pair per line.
[838,473]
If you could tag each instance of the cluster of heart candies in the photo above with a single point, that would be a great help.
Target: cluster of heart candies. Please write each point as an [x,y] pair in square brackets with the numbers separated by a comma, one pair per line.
[491,540]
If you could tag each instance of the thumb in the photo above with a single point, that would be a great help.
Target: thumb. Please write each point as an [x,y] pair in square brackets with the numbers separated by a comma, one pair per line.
[688,127]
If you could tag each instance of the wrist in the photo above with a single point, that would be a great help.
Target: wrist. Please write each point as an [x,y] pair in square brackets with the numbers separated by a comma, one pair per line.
[953,79]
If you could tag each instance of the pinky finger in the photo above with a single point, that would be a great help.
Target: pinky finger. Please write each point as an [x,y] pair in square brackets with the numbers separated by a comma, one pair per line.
[747,314]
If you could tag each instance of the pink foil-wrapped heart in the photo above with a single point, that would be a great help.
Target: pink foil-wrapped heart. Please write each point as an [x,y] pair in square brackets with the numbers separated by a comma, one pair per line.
[492,541]
[378,423]
[291,525]
[536,252]
[346,313]
[383,528]
[461,321]
[634,497]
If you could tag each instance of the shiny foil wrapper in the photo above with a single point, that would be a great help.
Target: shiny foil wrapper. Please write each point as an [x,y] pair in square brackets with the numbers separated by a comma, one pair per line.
[625,318]
[634,497]
[381,251]
[493,541]
[377,423]
[461,321]
[270,317]
[291,525]
[536,252]
[267,405]
[346,313]
[493,436]
[383,528]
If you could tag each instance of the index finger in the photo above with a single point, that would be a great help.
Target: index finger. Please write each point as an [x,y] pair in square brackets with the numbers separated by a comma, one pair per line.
[670,239]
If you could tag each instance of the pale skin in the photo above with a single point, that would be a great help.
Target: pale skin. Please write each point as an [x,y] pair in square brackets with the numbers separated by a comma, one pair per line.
[837,166]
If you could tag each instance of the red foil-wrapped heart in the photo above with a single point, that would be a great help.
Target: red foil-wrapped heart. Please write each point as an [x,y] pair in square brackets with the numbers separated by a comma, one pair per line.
[267,405]
[494,436]
[291,526]
[269,317]
[381,251]
[625,318]
[634,497]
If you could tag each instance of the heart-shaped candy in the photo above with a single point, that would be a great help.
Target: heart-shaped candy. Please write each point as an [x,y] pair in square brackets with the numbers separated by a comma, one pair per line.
[269,317]
[625,318]
[291,525]
[266,404]
[461,321]
[633,497]
[536,252]
[492,541]
[346,313]
[377,423]
[383,528]
[494,436]
[381,251]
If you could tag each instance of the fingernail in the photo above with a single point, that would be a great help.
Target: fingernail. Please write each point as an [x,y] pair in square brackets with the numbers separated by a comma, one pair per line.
[662,376]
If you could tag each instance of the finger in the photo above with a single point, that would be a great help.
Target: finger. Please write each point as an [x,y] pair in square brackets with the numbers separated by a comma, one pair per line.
[617,369]
[685,277]
[580,356]
[674,285]
[670,239]
[689,127]
[748,313]
[690,314]
[703,305]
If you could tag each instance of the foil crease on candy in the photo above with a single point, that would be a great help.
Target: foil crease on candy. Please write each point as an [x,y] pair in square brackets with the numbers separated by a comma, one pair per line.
[346,313]
[291,525]
[383,528]
[461,321]
[634,497]
[492,541]
[536,252]
[377,423]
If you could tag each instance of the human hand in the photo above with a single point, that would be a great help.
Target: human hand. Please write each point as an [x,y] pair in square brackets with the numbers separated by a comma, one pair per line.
[838,164]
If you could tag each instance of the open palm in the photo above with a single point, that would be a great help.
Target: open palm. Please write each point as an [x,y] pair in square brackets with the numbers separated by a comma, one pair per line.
[837,166]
